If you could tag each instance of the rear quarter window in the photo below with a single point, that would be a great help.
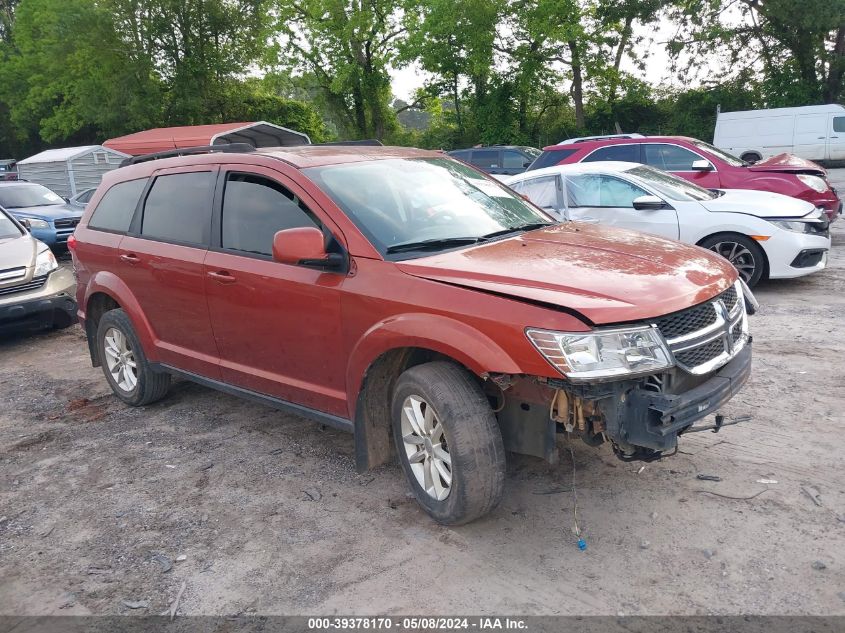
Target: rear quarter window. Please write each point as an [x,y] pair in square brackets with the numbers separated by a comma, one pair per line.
[116,208]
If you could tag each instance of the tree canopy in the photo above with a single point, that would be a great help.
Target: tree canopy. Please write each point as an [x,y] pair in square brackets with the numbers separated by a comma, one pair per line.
[489,71]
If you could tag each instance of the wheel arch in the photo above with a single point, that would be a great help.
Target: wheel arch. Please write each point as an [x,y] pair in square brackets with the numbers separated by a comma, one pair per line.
[391,347]
[104,292]
[719,234]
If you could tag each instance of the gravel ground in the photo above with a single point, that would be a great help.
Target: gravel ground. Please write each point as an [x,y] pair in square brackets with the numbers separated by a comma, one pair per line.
[99,503]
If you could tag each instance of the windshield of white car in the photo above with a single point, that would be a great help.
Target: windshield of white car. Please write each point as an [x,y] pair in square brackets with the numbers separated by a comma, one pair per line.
[670,186]
[420,205]
[730,159]
[24,196]
[8,228]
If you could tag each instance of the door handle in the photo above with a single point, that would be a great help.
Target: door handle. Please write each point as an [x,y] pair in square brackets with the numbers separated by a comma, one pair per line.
[129,258]
[222,277]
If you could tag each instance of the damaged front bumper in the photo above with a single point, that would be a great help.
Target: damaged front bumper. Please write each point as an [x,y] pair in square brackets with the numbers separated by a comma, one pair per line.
[641,422]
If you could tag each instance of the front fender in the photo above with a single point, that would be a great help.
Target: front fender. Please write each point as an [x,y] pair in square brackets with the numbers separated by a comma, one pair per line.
[110,284]
[465,344]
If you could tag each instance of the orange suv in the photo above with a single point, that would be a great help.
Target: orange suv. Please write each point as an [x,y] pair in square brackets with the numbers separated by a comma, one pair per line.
[407,298]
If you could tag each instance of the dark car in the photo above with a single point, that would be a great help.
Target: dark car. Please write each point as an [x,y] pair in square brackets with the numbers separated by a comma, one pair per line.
[703,164]
[46,214]
[498,160]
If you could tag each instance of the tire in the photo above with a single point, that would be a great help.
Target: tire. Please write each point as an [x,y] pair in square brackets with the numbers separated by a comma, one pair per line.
[751,157]
[136,386]
[473,442]
[741,251]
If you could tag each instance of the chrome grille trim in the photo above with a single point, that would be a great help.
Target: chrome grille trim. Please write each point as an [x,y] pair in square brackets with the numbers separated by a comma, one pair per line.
[12,274]
[700,350]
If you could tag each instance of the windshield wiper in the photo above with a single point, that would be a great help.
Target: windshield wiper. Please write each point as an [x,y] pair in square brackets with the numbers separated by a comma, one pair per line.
[530,226]
[434,244]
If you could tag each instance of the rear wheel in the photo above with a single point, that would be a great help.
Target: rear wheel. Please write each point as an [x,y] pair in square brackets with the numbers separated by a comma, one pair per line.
[124,364]
[741,251]
[751,157]
[448,441]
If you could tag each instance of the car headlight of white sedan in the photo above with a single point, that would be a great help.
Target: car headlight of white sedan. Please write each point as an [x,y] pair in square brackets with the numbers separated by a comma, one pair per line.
[611,353]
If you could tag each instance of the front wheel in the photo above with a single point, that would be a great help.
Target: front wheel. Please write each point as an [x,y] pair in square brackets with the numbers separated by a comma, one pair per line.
[448,442]
[741,251]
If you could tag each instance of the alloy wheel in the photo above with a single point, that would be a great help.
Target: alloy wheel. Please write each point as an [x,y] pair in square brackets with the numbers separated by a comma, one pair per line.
[426,448]
[120,360]
[738,255]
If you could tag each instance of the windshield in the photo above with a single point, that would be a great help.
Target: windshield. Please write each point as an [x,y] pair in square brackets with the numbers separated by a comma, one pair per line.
[8,228]
[23,196]
[730,159]
[670,186]
[398,203]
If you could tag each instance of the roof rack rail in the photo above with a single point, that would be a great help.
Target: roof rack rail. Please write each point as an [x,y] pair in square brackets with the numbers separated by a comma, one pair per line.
[602,137]
[229,148]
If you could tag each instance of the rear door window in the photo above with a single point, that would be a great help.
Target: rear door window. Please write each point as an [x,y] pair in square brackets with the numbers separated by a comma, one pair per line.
[839,124]
[116,208]
[512,159]
[669,157]
[628,153]
[542,192]
[178,208]
[255,209]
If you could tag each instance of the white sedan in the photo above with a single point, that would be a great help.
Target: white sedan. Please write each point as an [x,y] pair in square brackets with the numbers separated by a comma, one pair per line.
[762,234]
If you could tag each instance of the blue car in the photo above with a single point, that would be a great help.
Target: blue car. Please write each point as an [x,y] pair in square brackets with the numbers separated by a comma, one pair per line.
[47,215]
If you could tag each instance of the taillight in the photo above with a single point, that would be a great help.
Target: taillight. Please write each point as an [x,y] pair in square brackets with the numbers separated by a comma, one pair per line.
[71,242]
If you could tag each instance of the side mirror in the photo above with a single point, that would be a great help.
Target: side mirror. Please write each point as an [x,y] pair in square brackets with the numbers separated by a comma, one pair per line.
[702,165]
[26,224]
[648,203]
[305,246]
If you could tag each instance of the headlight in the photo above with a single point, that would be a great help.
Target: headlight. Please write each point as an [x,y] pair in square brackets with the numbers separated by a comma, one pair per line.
[813,182]
[45,263]
[603,354]
[35,223]
[812,226]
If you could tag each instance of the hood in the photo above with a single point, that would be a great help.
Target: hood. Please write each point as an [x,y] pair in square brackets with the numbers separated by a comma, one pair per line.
[16,252]
[763,204]
[608,275]
[46,212]
[788,163]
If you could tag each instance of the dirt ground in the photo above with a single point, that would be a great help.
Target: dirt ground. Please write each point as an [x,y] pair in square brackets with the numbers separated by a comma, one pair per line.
[98,502]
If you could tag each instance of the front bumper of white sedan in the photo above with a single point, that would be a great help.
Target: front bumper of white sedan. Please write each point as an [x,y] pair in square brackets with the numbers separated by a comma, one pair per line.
[792,254]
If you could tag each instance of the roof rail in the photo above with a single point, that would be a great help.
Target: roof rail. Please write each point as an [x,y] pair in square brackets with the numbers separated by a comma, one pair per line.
[603,137]
[229,148]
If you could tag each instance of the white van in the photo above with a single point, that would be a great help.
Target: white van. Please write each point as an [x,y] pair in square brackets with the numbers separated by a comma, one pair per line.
[812,132]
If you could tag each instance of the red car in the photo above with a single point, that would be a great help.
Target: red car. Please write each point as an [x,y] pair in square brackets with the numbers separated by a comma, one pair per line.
[703,164]
[398,292]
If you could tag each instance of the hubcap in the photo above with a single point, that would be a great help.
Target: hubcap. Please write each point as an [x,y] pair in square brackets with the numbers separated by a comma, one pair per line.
[426,448]
[120,360]
[741,258]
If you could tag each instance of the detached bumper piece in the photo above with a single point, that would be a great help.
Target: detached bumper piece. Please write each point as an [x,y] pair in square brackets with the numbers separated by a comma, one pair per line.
[648,423]
[37,314]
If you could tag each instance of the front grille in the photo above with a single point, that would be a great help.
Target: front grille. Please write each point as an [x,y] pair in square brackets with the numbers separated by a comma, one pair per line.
[708,335]
[66,223]
[700,355]
[687,321]
[12,274]
[36,283]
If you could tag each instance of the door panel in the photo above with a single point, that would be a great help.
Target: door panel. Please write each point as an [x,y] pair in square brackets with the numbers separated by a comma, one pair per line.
[811,133]
[608,200]
[277,326]
[836,147]
[166,277]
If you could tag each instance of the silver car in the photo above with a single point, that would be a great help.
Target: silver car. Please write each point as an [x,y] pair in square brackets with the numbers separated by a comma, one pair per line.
[35,293]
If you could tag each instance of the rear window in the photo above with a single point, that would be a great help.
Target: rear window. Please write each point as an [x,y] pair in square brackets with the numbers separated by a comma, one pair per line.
[551,157]
[178,208]
[116,208]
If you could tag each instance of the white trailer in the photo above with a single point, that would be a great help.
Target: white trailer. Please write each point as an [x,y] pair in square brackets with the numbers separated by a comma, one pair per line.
[812,132]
